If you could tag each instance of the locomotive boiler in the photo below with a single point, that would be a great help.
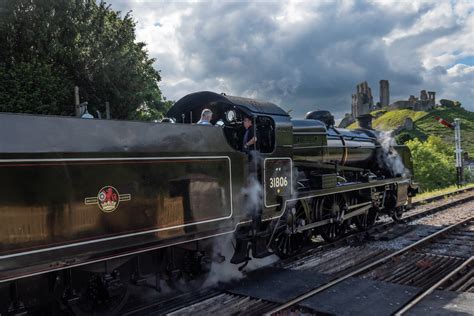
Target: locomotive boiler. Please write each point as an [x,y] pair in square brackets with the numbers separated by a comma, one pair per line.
[97,204]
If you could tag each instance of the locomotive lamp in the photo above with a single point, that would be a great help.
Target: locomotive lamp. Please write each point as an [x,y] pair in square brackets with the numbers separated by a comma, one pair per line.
[230,115]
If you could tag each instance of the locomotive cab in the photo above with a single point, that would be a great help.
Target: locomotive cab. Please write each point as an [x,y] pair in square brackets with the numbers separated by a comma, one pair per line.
[228,114]
[269,161]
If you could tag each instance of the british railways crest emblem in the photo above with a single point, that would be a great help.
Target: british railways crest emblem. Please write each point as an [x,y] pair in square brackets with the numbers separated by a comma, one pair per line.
[108,199]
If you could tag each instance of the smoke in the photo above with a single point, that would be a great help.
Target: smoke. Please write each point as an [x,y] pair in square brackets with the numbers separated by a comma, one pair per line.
[257,263]
[252,191]
[164,287]
[389,157]
[223,271]
[221,268]
[253,194]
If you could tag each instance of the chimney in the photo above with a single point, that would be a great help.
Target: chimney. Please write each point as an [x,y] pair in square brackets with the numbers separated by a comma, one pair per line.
[365,121]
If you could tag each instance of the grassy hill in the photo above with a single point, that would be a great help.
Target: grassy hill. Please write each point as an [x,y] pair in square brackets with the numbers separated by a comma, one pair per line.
[429,126]
[426,125]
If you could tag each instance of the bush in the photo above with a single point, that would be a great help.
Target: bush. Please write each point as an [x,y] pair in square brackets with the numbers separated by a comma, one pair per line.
[433,163]
[35,88]
[450,103]
[468,175]
[402,138]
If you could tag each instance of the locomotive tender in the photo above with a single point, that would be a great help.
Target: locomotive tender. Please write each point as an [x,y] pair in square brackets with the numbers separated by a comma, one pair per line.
[81,198]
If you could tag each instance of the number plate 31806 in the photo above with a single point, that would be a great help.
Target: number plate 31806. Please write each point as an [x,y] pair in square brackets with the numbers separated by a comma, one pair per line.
[278,179]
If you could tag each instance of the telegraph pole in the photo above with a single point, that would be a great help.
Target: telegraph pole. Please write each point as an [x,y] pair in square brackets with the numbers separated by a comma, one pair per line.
[458,151]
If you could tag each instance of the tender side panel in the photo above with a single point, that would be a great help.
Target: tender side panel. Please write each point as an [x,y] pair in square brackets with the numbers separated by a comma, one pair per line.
[49,203]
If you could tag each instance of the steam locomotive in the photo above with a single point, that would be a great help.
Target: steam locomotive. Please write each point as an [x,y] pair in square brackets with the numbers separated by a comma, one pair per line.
[88,205]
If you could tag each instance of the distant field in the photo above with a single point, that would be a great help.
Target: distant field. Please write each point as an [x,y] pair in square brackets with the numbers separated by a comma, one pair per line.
[426,125]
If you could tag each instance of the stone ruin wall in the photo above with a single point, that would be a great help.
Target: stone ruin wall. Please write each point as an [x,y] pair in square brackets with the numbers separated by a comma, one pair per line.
[363,102]
[426,101]
[384,93]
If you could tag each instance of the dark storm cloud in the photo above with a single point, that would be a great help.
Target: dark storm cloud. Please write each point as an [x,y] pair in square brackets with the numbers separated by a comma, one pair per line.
[315,62]
[304,55]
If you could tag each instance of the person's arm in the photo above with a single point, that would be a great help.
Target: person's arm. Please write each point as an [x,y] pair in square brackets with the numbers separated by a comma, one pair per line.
[252,141]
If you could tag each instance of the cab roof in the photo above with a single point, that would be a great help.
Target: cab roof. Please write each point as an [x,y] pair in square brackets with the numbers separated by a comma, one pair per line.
[198,100]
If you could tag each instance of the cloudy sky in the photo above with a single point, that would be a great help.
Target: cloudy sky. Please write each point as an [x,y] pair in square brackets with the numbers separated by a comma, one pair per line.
[306,55]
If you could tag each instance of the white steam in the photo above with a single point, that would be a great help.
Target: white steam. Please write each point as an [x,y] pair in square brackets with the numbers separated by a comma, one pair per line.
[221,269]
[257,263]
[389,157]
[253,194]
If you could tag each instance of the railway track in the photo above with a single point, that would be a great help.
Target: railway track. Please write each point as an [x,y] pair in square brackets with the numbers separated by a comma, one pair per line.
[435,268]
[390,229]
[464,282]
[226,301]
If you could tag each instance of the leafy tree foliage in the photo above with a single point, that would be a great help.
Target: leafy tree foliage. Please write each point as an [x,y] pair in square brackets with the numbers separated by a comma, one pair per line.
[146,113]
[468,175]
[403,137]
[34,88]
[48,46]
[450,103]
[433,163]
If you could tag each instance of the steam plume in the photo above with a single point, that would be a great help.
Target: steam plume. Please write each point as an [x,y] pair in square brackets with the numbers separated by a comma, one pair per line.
[389,157]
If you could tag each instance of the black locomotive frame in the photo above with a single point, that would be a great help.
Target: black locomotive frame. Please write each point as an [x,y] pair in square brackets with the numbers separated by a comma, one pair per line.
[76,193]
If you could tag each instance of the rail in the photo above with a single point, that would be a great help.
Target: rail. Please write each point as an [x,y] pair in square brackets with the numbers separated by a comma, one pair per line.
[420,296]
[366,267]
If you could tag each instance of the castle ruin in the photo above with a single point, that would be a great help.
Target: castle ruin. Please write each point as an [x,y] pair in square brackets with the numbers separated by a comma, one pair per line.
[362,101]
[384,93]
[426,101]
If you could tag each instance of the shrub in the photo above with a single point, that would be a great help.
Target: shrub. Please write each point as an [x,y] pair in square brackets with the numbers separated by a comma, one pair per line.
[468,175]
[35,88]
[433,163]
[402,138]
[450,103]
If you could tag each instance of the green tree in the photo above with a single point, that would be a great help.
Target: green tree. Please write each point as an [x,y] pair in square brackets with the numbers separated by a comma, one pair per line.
[433,163]
[146,113]
[403,137]
[450,103]
[35,88]
[74,42]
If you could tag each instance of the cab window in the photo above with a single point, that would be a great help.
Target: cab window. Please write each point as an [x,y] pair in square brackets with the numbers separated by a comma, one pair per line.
[234,131]
[265,134]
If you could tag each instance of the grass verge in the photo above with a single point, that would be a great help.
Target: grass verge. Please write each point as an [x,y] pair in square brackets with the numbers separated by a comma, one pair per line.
[445,191]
